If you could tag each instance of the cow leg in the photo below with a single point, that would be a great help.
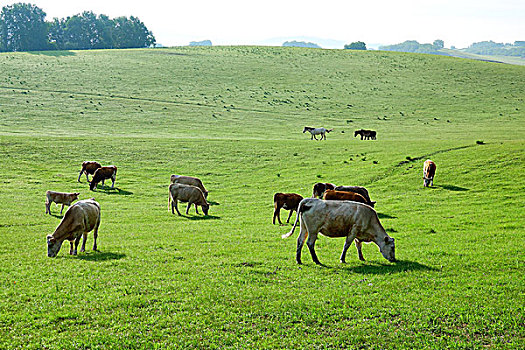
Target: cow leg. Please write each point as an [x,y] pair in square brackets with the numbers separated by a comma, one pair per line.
[176,207]
[289,216]
[311,246]
[277,214]
[62,209]
[348,243]
[71,247]
[113,178]
[87,178]
[188,208]
[300,241]
[359,245]
[48,207]
[196,210]
[95,235]
[103,182]
[84,239]
[79,175]
[77,241]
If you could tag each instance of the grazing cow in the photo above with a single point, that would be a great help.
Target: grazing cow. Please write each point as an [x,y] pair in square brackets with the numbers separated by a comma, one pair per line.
[88,168]
[320,187]
[332,195]
[103,173]
[429,170]
[317,131]
[357,189]
[59,198]
[189,180]
[366,134]
[288,201]
[81,218]
[187,193]
[352,220]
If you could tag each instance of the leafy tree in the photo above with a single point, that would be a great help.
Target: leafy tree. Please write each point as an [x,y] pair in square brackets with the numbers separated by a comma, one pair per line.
[439,44]
[23,28]
[294,43]
[358,45]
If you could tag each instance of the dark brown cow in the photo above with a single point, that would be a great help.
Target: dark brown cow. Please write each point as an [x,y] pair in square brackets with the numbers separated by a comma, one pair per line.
[320,187]
[357,189]
[288,201]
[429,170]
[103,173]
[88,168]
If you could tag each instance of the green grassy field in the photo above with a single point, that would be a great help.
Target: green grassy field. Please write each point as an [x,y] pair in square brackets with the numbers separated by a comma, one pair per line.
[233,116]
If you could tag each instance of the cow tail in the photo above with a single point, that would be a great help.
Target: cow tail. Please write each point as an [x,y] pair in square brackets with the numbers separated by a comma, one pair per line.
[169,199]
[286,235]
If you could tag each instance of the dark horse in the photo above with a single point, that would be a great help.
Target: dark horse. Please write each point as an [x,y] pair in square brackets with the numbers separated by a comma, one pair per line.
[366,134]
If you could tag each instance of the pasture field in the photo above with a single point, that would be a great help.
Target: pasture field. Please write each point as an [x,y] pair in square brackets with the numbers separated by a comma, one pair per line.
[233,116]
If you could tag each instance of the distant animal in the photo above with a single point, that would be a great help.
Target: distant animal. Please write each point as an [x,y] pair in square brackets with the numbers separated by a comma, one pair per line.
[317,131]
[288,201]
[189,180]
[320,187]
[189,194]
[429,170]
[81,218]
[366,134]
[352,220]
[59,198]
[333,195]
[88,168]
[357,189]
[103,173]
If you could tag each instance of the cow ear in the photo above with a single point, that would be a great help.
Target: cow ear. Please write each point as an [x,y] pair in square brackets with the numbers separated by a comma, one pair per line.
[387,239]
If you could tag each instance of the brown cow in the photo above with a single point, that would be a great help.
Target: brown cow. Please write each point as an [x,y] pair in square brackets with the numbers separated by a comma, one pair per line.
[189,180]
[81,218]
[88,168]
[187,193]
[59,198]
[103,173]
[429,170]
[288,201]
[320,187]
[357,189]
[333,195]
[352,220]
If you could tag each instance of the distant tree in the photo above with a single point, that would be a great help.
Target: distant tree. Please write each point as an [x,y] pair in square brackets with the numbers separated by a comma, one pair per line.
[23,28]
[301,44]
[519,43]
[131,33]
[439,44]
[358,45]
[411,46]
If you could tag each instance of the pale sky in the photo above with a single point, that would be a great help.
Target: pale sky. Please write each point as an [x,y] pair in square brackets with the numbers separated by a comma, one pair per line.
[243,22]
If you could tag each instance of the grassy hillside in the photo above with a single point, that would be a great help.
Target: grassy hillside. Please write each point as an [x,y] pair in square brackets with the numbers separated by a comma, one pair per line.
[234,117]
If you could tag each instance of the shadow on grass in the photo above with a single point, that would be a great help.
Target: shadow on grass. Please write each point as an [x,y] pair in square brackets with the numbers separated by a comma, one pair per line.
[213,203]
[205,217]
[100,256]
[58,216]
[385,216]
[453,188]
[53,53]
[382,269]
[108,190]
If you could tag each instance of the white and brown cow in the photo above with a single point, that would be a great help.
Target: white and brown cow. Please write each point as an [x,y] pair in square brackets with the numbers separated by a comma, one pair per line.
[288,201]
[189,180]
[88,168]
[429,170]
[59,198]
[81,218]
[352,220]
[103,173]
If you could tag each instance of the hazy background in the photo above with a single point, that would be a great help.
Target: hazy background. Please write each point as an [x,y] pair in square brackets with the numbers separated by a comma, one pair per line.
[331,24]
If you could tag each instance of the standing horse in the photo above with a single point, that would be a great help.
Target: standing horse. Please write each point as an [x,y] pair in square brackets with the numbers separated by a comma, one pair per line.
[366,134]
[317,131]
